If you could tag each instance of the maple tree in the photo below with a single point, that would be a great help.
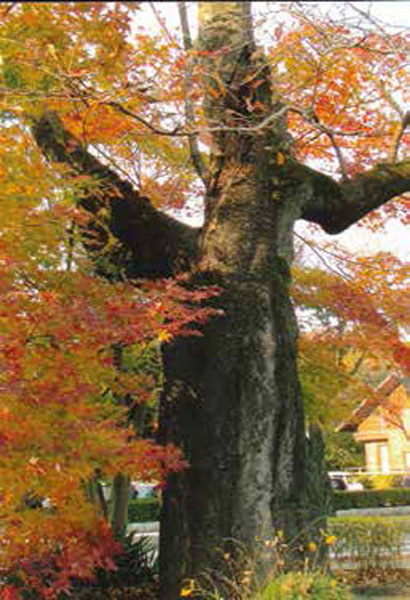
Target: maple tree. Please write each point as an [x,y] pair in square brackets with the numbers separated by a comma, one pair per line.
[360,317]
[67,409]
[70,413]
[108,126]
[352,318]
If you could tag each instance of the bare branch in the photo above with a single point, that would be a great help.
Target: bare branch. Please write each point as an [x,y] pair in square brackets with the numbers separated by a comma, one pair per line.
[339,154]
[400,132]
[388,96]
[70,245]
[358,362]
[318,252]
[314,120]
[162,23]
[189,105]
[8,9]
[178,132]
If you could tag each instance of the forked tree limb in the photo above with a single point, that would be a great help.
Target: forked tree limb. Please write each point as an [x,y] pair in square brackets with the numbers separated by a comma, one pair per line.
[147,242]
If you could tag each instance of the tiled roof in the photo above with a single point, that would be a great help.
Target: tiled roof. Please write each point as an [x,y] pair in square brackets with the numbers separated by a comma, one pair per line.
[366,408]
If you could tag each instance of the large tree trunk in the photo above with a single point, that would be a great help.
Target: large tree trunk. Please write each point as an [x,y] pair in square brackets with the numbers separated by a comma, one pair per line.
[232,402]
[232,398]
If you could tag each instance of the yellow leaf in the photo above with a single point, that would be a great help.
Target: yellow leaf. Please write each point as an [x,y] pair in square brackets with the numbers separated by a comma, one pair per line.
[188,589]
[164,336]
[280,159]
[213,92]
[52,50]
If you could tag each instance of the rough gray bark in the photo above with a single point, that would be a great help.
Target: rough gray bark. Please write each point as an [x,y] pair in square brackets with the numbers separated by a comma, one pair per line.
[231,397]
[337,206]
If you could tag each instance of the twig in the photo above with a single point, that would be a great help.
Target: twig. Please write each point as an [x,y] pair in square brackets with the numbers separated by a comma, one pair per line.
[172,132]
[312,118]
[8,9]
[340,273]
[177,132]
[162,23]
[114,164]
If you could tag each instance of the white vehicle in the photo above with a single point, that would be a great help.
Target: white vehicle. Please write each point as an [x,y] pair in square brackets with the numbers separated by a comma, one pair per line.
[142,489]
[341,480]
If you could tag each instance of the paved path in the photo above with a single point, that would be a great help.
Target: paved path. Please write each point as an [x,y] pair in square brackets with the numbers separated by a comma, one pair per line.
[387,592]
[380,511]
[148,530]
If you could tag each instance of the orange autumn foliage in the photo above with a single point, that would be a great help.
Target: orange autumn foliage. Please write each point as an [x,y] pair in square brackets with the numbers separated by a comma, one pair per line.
[120,89]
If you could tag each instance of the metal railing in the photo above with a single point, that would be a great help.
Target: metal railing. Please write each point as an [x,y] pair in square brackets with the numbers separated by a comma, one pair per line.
[363,471]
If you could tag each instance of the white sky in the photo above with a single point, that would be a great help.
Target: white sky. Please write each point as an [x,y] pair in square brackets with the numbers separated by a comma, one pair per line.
[396,13]
[395,238]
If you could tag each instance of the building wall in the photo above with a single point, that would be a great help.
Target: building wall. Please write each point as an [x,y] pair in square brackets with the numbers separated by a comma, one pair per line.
[386,435]
[372,456]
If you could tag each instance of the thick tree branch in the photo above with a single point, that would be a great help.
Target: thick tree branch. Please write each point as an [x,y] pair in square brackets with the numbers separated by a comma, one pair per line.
[126,236]
[336,206]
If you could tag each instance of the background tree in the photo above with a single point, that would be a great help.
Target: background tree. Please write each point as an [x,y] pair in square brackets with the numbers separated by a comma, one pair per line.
[108,116]
[352,321]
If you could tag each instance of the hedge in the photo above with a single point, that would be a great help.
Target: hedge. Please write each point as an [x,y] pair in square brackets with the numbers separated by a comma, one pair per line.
[141,510]
[371,542]
[371,498]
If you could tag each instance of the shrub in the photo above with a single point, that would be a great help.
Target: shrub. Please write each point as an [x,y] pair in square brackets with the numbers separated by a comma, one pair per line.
[384,482]
[295,586]
[134,569]
[141,510]
[277,571]
[371,498]
[371,542]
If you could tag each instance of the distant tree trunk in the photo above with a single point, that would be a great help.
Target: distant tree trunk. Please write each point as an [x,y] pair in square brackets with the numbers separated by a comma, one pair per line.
[319,489]
[119,509]
[95,494]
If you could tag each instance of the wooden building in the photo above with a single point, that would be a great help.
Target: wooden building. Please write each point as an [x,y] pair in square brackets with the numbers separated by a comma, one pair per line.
[382,424]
